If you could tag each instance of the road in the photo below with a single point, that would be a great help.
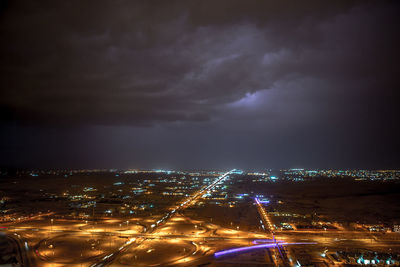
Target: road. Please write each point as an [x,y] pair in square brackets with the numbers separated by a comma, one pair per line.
[281,257]
[186,202]
[264,217]
[23,250]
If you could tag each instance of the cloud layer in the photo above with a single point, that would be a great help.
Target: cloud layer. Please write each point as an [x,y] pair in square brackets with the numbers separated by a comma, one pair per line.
[306,67]
[133,63]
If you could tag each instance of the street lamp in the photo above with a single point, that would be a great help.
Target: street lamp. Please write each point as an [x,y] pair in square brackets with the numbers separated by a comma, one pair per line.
[51,229]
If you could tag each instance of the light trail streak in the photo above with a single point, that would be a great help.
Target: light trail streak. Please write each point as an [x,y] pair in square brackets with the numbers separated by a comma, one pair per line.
[265,219]
[264,216]
[244,249]
[186,203]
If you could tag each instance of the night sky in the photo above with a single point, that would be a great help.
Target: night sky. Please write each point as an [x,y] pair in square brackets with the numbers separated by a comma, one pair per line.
[199,84]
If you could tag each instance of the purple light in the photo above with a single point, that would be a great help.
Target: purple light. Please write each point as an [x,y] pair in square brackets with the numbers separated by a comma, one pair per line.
[270,245]
[242,249]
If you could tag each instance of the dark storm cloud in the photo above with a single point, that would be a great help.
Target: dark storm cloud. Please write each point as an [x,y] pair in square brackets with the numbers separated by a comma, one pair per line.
[284,79]
[133,62]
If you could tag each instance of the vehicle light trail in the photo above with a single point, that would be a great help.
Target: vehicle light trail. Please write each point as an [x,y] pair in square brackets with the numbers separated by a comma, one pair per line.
[264,216]
[266,221]
[244,249]
[108,259]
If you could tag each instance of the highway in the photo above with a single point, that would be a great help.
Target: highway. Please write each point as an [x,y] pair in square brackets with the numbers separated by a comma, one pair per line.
[23,250]
[281,258]
[264,217]
[177,237]
[186,202]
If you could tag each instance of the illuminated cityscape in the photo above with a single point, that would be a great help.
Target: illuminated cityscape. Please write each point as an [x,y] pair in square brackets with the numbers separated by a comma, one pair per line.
[199,218]
[204,133]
